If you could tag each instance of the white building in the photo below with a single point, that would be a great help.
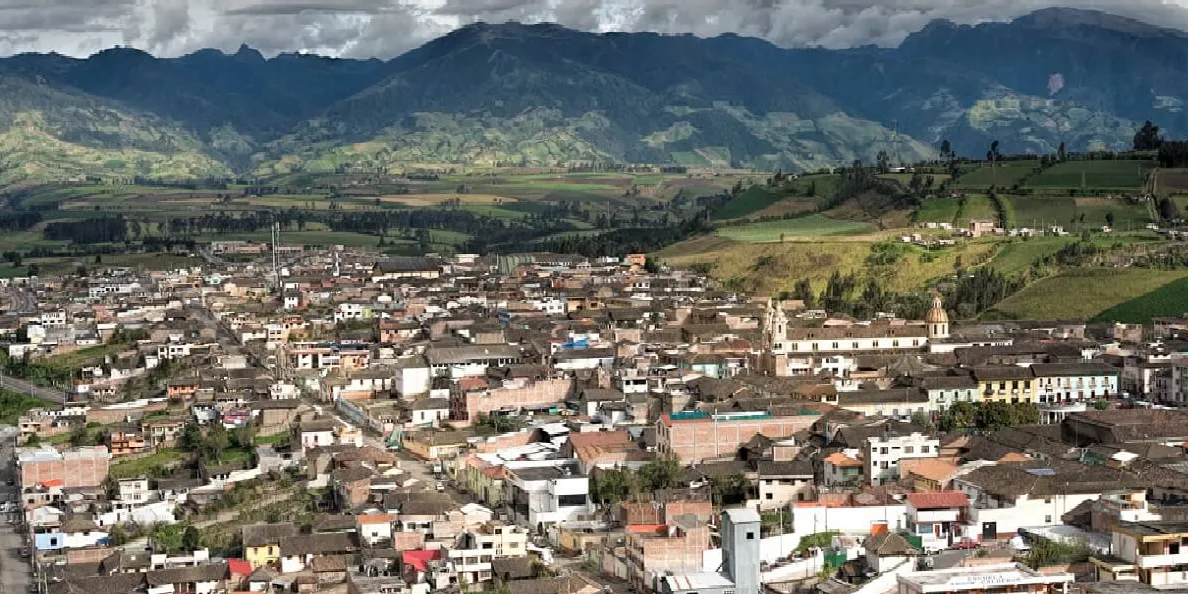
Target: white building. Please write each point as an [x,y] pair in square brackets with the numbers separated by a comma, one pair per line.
[881,454]
[547,495]
[1001,578]
[1004,498]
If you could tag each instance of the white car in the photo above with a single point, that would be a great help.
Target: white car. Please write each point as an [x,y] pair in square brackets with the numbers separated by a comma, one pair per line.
[8,507]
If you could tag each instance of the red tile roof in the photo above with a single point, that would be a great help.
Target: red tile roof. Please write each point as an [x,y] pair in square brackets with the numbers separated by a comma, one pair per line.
[420,558]
[598,438]
[239,567]
[938,500]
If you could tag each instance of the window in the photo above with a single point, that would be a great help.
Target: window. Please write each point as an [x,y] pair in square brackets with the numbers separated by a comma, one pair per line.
[750,536]
[769,496]
[924,449]
[1047,519]
[883,451]
[909,449]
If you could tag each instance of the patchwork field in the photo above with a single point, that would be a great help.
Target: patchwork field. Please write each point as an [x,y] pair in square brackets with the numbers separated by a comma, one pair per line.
[1082,294]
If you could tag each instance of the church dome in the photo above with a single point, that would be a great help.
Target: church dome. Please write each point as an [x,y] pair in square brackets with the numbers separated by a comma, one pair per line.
[937,314]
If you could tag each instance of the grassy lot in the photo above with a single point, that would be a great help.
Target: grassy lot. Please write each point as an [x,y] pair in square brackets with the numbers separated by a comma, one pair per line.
[767,268]
[1003,175]
[1093,174]
[1167,300]
[810,226]
[1016,255]
[1081,294]
[121,469]
[938,210]
[268,440]
[750,201]
[15,404]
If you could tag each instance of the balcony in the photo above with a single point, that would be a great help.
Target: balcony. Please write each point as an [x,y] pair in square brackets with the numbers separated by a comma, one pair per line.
[1168,560]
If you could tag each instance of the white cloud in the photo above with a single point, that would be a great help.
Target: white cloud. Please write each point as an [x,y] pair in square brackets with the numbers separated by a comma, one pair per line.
[385,28]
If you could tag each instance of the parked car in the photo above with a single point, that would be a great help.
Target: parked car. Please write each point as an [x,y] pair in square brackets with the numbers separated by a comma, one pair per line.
[966,545]
[25,551]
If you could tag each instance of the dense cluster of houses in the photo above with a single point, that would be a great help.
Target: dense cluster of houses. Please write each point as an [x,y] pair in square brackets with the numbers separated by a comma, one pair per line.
[552,423]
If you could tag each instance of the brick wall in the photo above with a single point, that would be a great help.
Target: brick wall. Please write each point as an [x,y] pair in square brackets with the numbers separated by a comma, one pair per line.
[511,440]
[703,510]
[107,416]
[408,541]
[74,472]
[695,440]
[552,391]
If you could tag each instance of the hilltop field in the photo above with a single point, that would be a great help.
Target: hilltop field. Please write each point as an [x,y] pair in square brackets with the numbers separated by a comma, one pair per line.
[759,233]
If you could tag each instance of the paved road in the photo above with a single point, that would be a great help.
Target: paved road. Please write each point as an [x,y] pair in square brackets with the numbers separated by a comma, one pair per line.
[22,300]
[24,387]
[15,573]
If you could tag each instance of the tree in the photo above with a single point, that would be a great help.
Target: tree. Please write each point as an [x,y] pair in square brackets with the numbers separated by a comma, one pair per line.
[728,490]
[663,473]
[1147,138]
[191,438]
[1061,153]
[803,291]
[1110,218]
[215,442]
[191,540]
[946,149]
[883,162]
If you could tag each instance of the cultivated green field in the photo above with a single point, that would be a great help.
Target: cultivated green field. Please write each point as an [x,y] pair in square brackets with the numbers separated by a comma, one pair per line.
[1168,300]
[810,226]
[750,201]
[1081,294]
[1093,174]
[1040,211]
[1002,175]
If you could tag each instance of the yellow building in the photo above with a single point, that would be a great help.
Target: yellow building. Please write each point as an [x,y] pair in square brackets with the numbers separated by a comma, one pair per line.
[1005,383]
[261,543]
[483,480]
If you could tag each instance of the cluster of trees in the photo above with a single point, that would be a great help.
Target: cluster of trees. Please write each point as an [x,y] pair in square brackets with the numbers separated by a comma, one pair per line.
[628,240]
[987,416]
[980,290]
[615,485]
[1172,154]
[212,444]
[18,220]
[1147,138]
[107,229]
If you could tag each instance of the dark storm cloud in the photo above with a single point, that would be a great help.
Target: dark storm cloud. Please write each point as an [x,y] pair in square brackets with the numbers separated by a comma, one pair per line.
[385,28]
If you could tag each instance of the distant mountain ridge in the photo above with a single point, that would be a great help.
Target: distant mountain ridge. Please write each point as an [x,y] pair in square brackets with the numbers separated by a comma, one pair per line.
[546,95]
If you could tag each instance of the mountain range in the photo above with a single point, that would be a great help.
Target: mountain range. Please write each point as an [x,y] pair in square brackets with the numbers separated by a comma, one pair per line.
[543,95]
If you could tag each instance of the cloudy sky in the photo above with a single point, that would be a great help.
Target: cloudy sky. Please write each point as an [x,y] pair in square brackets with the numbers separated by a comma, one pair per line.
[385,28]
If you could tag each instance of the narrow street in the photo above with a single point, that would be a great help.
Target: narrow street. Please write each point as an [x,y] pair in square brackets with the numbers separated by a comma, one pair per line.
[15,575]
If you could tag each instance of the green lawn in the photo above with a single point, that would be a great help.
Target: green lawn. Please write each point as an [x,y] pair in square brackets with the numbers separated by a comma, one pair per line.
[810,226]
[278,439]
[141,467]
[1168,300]
[1081,294]
[1003,175]
[1093,174]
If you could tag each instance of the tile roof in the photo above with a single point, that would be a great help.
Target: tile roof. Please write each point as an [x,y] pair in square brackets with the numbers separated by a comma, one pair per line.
[419,559]
[938,500]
